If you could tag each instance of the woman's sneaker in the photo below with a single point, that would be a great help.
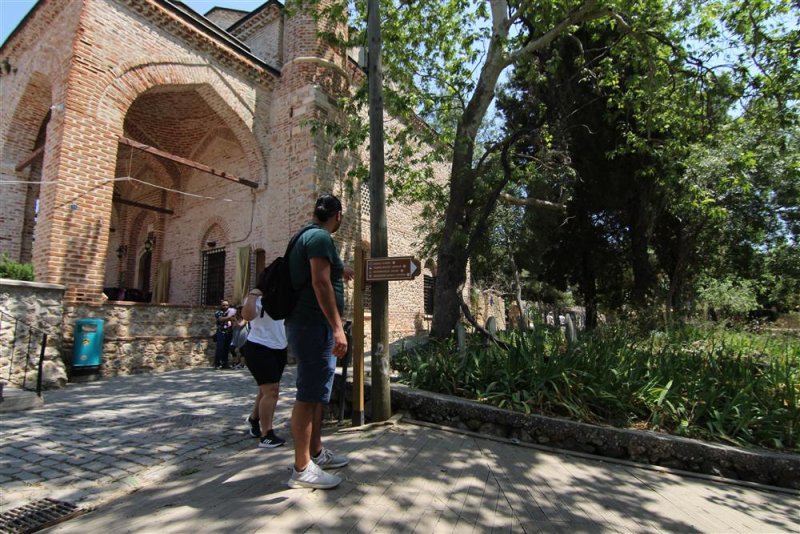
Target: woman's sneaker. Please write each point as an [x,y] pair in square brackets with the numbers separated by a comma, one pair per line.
[327,459]
[313,477]
[254,427]
[270,441]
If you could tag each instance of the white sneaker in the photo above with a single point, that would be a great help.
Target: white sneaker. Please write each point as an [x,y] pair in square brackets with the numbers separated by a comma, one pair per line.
[327,459]
[313,477]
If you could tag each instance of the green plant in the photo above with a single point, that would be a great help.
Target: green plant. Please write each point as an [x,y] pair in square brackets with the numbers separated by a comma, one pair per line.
[15,271]
[723,385]
[731,296]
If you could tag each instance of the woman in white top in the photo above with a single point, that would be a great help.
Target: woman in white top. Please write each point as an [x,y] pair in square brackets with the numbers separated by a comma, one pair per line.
[265,356]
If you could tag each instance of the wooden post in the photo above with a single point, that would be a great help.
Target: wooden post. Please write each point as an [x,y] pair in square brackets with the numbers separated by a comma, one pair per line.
[358,338]
[379,241]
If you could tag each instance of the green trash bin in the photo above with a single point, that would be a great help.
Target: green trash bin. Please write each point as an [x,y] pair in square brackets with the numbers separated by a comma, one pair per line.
[88,343]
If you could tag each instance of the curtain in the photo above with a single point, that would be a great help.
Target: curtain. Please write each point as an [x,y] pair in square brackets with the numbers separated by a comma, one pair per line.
[241,281]
[161,292]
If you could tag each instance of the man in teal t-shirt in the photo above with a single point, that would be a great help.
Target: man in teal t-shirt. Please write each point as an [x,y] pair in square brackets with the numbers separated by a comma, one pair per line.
[316,338]
[314,243]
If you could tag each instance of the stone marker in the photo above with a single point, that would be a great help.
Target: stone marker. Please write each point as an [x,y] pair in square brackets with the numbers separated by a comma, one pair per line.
[461,339]
[570,332]
[491,325]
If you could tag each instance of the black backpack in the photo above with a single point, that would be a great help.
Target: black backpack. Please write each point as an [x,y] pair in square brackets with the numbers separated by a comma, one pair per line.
[275,284]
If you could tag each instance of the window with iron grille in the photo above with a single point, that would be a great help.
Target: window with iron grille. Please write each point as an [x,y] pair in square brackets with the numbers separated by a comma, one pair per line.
[429,288]
[213,280]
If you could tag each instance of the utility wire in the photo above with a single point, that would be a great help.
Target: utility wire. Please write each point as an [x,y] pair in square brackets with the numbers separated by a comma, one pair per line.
[127,179]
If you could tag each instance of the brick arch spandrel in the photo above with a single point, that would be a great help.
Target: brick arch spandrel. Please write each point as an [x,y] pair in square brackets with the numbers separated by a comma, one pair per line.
[45,65]
[136,235]
[232,98]
[124,154]
[216,229]
[22,120]
[245,133]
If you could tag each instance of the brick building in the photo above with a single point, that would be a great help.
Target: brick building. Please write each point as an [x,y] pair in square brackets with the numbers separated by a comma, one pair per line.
[153,159]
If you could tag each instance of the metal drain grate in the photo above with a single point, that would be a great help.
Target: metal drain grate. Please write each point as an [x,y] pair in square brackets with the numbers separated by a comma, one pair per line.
[37,515]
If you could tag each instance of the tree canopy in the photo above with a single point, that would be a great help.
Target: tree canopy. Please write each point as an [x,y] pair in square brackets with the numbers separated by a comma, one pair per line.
[655,125]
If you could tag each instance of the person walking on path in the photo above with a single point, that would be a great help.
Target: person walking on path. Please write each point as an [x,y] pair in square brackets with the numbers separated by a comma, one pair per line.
[223,319]
[265,356]
[316,336]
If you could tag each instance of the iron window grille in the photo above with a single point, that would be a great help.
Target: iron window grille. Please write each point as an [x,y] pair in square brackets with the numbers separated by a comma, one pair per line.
[213,279]
[429,288]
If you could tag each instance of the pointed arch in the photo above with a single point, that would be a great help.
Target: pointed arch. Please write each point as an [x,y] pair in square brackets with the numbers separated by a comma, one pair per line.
[232,99]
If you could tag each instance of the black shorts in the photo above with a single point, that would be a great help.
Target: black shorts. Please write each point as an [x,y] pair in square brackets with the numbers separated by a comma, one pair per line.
[265,364]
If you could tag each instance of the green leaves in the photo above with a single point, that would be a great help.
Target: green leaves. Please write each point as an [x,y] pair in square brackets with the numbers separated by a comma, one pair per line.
[15,271]
[721,385]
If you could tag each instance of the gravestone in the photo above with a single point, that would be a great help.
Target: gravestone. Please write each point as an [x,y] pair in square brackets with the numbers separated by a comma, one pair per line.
[491,325]
[461,340]
[569,331]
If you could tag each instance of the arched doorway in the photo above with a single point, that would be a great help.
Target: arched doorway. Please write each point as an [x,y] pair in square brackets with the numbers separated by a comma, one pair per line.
[171,134]
[145,271]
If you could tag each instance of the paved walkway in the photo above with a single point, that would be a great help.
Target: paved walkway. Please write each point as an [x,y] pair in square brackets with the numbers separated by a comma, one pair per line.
[178,438]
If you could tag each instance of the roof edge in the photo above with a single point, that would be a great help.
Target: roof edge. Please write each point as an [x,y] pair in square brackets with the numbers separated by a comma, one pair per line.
[215,32]
[255,12]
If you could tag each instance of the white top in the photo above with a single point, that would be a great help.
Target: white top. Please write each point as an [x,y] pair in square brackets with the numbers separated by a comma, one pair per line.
[266,331]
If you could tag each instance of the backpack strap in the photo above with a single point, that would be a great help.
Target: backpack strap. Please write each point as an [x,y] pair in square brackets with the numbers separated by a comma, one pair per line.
[294,239]
[289,247]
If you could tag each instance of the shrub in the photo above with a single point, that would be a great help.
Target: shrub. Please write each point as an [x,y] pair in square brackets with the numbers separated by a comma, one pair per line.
[731,297]
[15,271]
[722,385]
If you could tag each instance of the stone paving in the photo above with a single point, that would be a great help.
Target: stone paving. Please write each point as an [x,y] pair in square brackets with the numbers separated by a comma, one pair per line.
[179,440]
[93,438]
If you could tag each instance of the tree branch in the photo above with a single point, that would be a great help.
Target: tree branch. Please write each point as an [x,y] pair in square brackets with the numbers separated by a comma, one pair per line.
[471,320]
[588,11]
[532,202]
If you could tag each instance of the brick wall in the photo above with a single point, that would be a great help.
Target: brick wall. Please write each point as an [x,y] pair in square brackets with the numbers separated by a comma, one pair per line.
[263,33]
[172,87]
[223,17]
[39,57]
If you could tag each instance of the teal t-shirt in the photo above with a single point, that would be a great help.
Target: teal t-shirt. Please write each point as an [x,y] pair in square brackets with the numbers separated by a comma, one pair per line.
[314,243]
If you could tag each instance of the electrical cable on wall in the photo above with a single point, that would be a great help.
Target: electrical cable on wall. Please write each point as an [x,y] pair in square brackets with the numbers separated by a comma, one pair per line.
[127,179]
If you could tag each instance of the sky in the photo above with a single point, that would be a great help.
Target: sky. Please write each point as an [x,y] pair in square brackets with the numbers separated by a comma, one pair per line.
[13,11]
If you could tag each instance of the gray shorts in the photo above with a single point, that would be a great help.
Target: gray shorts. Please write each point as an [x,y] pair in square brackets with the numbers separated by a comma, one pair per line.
[312,346]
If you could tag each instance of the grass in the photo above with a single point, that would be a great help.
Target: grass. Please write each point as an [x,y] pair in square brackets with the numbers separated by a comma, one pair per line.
[719,385]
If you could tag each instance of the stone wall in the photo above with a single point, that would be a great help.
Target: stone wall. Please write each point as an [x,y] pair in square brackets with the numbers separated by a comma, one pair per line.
[488,303]
[138,338]
[25,305]
[145,338]
[673,452]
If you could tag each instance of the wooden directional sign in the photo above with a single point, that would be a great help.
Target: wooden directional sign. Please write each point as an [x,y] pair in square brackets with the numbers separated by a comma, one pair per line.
[396,268]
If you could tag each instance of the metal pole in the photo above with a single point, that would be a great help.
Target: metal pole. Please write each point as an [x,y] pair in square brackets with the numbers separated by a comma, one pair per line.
[41,366]
[358,339]
[381,395]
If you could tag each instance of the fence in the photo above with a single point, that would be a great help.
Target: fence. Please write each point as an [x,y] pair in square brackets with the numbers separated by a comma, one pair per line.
[23,342]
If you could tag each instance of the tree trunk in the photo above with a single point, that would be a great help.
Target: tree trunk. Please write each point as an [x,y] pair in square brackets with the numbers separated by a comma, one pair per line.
[641,229]
[450,279]
[588,278]
[453,249]
[460,215]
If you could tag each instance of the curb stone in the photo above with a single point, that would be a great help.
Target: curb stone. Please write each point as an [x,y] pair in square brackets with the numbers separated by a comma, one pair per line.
[638,446]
